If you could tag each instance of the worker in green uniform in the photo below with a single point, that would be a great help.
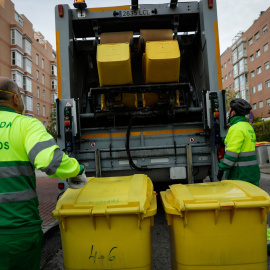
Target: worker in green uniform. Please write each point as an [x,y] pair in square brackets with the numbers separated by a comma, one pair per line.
[24,146]
[240,160]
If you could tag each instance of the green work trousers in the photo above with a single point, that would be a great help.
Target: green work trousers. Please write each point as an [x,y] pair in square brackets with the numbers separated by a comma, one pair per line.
[21,251]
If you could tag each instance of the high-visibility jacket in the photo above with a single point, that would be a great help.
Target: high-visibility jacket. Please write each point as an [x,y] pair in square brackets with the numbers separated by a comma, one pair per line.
[24,146]
[240,160]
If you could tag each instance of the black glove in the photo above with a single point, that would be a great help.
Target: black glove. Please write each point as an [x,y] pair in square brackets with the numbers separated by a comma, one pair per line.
[220,174]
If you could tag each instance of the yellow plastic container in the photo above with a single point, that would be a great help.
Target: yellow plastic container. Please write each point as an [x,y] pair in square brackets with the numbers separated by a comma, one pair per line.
[161,62]
[107,223]
[114,64]
[217,225]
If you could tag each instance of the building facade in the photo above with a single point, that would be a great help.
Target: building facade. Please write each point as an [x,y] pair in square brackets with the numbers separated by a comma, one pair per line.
[28,59]
[245,66]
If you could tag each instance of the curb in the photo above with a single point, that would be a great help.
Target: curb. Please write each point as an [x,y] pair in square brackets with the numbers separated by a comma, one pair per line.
[50,226]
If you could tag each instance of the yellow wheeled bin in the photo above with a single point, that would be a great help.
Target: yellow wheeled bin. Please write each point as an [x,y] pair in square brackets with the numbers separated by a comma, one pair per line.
[217,225]
[161,61]
[114,64]
[107,223]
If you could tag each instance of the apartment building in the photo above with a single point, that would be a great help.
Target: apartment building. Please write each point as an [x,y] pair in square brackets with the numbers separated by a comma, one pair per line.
[245,66]
[28,59]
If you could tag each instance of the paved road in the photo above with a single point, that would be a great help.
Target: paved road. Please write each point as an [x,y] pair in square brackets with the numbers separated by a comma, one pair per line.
[53,256]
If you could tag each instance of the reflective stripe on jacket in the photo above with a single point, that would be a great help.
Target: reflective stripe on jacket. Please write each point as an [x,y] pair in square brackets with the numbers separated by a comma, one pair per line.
[24,146]
[240,160]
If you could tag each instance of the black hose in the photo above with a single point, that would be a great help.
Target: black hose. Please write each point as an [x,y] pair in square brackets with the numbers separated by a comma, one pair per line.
[131,163]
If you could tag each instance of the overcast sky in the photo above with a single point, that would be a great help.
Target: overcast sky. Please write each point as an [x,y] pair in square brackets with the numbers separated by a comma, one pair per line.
[233,15]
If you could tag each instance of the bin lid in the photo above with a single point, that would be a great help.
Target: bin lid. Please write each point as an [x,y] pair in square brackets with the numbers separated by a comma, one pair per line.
[222,195]
[165,49]
[109,195]
[113,52]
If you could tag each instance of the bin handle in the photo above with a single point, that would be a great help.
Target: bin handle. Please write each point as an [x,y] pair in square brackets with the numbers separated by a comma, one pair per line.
[75,212]
[202,206]
[255,204]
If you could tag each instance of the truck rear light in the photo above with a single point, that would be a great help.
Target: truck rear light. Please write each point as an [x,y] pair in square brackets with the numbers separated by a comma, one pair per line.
[220,153]
[210,3]
[61,11]
[79,4]
[61,185]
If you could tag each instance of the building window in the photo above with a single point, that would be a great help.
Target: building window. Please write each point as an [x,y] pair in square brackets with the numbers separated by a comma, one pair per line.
[44,124]
[235,70]
[267,84]
[259,70]
[43,95]
[53,69]
[226,77]
[16,38]
[242,65]
[242,81]
[225,65]
[260,87]
[230,74]
[266,65]
[27,46]
[236,84]
[42,63]
[53,98]
[27,65]
[17,77]
[258,53]
[38,109]
[37,92]
[253,89]
[251,58]
[260,104]
[54,83]
[18,18]
[16,59]
[43,79]
[37,75]
[44,110]
[240,52]
[29,103]
[265,47]
[234,55]
[254,106]
[229,61]
[243,94]
[264,29]
[257,35]
[230,87]
[268,102]
[252,74]
[27,84]
[250,41]
[37,59]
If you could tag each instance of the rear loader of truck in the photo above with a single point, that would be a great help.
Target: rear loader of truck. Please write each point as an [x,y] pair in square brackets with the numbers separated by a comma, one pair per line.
[140,90]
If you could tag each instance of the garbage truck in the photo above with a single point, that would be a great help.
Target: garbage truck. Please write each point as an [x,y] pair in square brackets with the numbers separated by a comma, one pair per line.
[140,89]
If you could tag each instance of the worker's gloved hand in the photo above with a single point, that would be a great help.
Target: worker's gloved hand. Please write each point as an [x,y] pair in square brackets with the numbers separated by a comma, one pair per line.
[220,174]
[78,181]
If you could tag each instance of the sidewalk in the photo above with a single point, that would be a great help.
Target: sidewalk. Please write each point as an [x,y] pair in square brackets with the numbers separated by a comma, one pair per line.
[47,190]
[265,168]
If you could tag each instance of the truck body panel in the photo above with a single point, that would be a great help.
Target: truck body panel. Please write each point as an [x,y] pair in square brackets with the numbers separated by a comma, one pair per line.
[175,137]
